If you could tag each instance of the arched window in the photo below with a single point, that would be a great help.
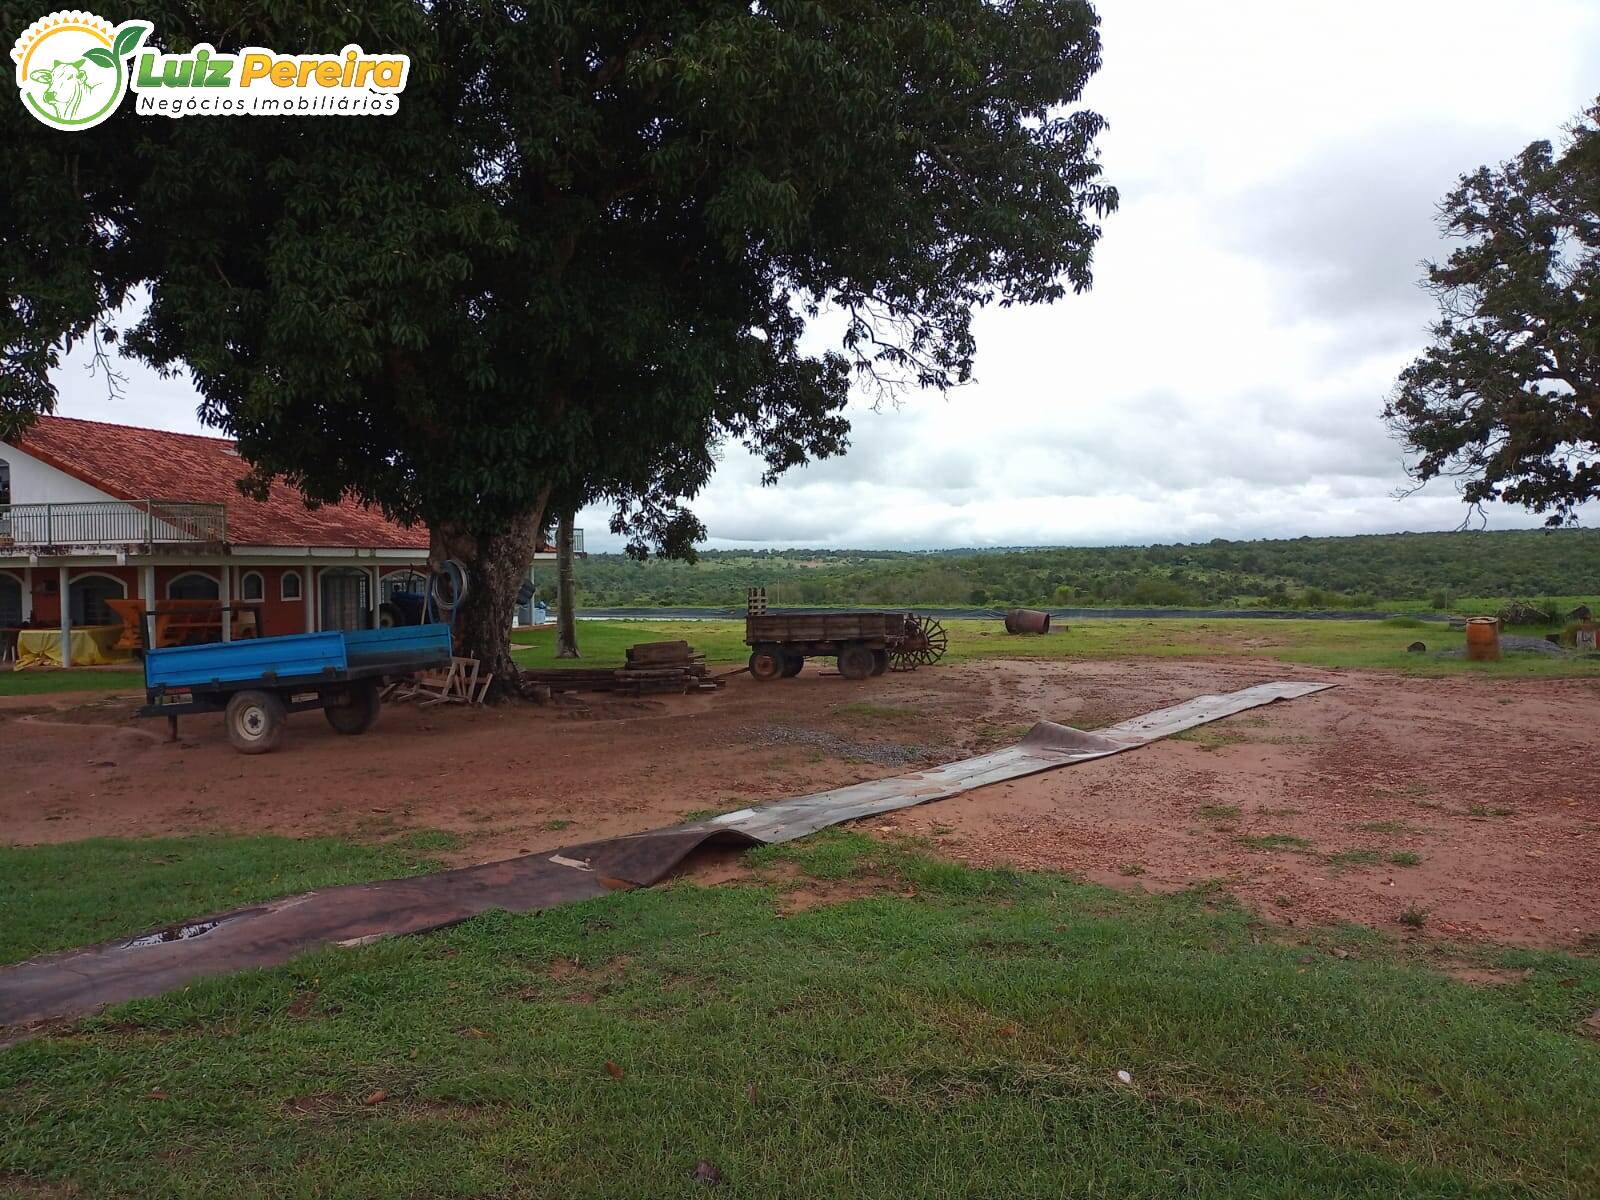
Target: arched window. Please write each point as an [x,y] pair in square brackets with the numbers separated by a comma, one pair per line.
[252,587]
[401,581]
[10,601]
[87,596]
[192,585]
[289,586]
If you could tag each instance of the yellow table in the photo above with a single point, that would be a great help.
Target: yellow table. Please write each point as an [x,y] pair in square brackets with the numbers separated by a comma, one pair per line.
[92,646]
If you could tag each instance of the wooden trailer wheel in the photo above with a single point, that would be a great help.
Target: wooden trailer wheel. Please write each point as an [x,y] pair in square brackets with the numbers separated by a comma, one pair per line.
[768,663]
[856,662]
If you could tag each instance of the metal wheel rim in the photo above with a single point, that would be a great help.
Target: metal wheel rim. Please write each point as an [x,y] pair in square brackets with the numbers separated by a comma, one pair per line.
[925,647]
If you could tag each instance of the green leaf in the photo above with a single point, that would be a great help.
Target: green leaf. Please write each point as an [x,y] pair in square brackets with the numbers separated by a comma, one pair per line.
[128,39]
[100,57]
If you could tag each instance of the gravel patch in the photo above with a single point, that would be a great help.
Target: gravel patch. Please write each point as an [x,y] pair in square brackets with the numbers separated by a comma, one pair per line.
[887,754]
[1517,644]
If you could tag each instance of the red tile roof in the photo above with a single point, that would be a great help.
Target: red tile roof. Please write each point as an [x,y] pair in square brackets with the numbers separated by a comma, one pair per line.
[150,464]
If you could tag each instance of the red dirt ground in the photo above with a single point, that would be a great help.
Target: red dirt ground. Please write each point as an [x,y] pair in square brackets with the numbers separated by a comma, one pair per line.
[1494,785]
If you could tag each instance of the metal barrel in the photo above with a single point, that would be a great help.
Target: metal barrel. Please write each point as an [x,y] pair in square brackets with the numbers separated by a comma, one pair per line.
[1483,639]
[1027,620]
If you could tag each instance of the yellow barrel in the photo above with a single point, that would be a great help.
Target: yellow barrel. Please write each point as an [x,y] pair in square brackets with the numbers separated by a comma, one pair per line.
[1483,639]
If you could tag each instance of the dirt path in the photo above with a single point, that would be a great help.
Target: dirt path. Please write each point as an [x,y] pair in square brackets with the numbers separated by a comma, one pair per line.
[1300,809]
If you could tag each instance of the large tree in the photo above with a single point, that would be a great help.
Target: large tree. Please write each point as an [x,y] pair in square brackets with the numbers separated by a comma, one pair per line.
[1507,398]
[581,257]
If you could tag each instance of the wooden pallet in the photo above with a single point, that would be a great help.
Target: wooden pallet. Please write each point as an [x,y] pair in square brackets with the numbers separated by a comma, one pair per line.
[652,668]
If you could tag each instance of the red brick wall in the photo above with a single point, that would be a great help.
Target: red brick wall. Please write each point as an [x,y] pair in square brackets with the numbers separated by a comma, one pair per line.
[46,597]
[279,616]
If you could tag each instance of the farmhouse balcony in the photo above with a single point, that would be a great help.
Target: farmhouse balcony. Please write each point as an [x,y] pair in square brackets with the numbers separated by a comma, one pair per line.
[547,539]
[111,524]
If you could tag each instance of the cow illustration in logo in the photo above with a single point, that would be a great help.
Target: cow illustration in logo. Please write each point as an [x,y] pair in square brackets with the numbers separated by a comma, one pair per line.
[72,67]
[67,87]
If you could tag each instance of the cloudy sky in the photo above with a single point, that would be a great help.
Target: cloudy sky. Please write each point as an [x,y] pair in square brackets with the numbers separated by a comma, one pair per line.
[1255,297]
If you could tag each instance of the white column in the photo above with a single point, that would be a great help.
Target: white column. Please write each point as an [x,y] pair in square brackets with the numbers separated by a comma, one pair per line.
[308,589]
[377,578]
[27,593]
[227,598]
[66,619]
[147,593]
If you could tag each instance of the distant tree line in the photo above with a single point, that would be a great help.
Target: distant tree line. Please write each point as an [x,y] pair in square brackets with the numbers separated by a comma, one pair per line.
[1341,572]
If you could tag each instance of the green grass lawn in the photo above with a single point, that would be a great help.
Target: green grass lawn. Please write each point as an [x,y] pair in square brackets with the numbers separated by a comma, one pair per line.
[57,897]
[1379,644]
[76,679]
[952,1033]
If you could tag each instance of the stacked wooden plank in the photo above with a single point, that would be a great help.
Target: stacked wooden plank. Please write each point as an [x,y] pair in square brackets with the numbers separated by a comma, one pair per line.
[652,668]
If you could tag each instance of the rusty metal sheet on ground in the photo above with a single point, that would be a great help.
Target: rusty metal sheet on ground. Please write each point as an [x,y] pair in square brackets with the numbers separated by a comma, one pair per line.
[77,982]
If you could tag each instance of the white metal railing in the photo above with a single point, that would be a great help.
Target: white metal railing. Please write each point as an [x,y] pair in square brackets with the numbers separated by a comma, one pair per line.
[548,538]
[112,523]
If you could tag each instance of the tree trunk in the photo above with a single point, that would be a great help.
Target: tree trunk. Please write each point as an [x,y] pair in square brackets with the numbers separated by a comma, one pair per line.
[496,564]
[566,591]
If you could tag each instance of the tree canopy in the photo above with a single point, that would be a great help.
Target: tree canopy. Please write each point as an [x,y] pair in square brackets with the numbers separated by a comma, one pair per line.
[584,254]
[1507,398]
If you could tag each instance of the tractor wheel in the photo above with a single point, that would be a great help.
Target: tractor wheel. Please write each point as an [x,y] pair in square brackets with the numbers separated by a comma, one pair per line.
[768,663]
[793,664]
[856,662]
[355,709]
[255,722]
[389,615]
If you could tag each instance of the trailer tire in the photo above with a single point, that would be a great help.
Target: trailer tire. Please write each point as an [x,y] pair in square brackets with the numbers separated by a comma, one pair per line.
[793,665]
[255,721]
[856,661]
[768,663]
[880,662]
[356,709]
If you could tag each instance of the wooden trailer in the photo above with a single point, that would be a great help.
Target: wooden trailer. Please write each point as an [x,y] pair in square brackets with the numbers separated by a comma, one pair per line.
[864,643]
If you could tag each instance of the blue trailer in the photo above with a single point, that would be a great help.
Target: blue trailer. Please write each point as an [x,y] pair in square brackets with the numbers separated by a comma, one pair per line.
[258,682]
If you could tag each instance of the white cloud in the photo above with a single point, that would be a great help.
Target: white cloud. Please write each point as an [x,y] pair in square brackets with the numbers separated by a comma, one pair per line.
[1254,299]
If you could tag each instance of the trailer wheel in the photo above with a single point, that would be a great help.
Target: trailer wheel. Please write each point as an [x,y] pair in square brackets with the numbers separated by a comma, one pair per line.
[355,709]
[793,664]
[768,662]
[856,662]
[880,662]
[255,722]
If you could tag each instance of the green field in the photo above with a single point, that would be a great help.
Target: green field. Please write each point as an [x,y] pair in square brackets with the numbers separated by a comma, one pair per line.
[949,1033]
[1371,644]
[1387,572]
